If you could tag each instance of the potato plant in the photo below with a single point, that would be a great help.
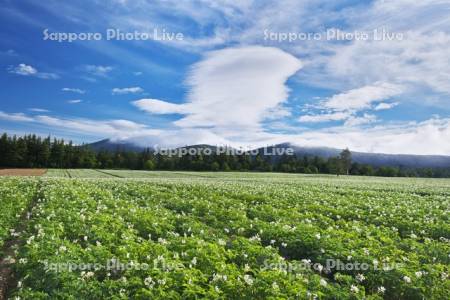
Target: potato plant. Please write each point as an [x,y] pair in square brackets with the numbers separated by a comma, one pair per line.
[213,237]
[15,196]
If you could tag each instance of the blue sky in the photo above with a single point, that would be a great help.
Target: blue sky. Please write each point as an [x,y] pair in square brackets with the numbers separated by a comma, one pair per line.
[232,78]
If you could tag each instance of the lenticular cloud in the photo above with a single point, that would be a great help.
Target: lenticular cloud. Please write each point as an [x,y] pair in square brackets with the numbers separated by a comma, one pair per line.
[237,86]
[232,88]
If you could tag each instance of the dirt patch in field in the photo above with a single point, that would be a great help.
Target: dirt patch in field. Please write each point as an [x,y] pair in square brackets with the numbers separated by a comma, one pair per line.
[22,172]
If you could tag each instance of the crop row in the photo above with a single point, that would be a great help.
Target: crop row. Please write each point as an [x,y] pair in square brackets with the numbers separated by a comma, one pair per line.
[15,196]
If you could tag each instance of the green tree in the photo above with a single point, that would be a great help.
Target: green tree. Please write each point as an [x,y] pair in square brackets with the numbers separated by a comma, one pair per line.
[345,159]
[149,165]
[215,166]
[334,166]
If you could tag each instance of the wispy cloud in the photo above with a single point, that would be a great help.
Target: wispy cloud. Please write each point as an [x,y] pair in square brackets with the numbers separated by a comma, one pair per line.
[411,61]
[128,90]
[74,101]
[99,71]
[345,106]
[19,117]
[363,97]
[117,128]
[40,110]
[9,52]
[47,75]
[366,118]
[73,90]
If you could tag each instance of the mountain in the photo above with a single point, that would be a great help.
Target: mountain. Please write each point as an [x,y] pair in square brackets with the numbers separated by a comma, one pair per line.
[110,145]
[374,159]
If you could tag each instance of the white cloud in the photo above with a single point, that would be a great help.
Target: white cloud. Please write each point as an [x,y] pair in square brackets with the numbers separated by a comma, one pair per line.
[344,106]
[385,106]
[237,87]
[129,90]
[412,62]
[27,70]
[73,90]
[428,137]
[363,97]
[74,101]
[156,106]
[232,90]
[23,69]
[418,62]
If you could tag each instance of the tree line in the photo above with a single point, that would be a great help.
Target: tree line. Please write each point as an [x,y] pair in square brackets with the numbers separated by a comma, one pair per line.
[32,151]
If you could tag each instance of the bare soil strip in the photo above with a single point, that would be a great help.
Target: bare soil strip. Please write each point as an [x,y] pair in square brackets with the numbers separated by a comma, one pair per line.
[22,172]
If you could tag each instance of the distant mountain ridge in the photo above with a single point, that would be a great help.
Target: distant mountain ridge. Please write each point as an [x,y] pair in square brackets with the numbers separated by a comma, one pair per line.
[109,145]
[374,159]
